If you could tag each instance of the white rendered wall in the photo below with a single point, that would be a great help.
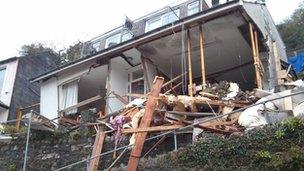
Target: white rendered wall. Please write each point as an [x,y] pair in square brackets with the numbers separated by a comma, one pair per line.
[117,82]
[49,98]
[8,86]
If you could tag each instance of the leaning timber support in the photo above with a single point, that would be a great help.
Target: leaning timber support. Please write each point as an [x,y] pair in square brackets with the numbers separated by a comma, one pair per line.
[189,63]
[145,122]
[19,116]
[201,38]
[98,144]
[255,58]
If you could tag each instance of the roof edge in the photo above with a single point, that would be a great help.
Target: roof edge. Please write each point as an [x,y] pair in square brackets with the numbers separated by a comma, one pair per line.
[227,7]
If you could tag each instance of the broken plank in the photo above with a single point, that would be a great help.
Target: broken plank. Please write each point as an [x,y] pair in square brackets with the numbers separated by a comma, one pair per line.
[97,148]
[174,79]
[145,122]
[151,129]
[80,104]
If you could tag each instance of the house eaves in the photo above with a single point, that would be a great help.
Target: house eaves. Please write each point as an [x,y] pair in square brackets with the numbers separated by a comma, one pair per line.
[3,105]
[8,60]
[177,26]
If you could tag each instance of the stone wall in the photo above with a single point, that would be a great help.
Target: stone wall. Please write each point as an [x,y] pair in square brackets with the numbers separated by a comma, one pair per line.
[48,151]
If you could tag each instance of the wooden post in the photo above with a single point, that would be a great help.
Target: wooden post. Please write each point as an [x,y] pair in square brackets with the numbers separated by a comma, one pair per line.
[255,58]
[145,122]
[19,116]
[97,148]
[277,64]
[202,57]
[190,88]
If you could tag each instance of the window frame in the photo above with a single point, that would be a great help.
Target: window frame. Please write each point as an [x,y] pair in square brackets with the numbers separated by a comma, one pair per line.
[130,79]
[114,35]
[160,18]
[4,77]
[193,7]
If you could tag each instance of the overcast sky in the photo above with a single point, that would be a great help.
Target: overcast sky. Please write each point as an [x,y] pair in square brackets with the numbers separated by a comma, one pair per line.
[63,22]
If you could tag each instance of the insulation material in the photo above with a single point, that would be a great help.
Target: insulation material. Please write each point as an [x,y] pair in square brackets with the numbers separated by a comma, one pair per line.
[134,123]
[186,100]
[254,116]
[136,102]
[298,111]
[234,90]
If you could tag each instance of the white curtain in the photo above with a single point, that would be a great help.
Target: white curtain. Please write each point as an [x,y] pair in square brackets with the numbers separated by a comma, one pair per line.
[69,96]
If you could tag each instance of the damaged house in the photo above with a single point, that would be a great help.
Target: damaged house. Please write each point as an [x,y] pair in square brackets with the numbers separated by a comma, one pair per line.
[191,65]
[193,43]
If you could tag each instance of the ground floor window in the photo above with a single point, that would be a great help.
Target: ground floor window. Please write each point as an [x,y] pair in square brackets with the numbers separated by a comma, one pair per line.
[68,96]
[136,81]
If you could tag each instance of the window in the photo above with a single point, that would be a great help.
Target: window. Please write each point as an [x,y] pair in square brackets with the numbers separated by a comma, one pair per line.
[162,20]
[96,46]
[193,8]
[2,77]
[136,82]
[153,23]
[113,40]
[170,17]
[126,36]
[69,96]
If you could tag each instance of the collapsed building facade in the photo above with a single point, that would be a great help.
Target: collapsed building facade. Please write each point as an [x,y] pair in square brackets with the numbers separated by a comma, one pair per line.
[182,65]
[236,41]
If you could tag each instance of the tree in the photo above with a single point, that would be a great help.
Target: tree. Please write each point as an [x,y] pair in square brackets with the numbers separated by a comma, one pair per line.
[292,31]
[62,57]
[72,53]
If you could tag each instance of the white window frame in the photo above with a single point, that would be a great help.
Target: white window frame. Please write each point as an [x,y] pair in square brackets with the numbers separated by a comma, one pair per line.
[4,78]
[118,35]
[160,19]
[130,79]
[192,5]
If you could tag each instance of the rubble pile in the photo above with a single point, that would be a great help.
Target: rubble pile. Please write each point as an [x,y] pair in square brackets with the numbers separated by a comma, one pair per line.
[221,108]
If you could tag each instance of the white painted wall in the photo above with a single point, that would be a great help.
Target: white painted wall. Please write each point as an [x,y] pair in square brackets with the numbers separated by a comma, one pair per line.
[117,82]
[49,105]
[49,98]
[8,85]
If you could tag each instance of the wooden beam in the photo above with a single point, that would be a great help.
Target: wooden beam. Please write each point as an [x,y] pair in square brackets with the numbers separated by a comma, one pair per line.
[19,116]
[173,88]
[190,89]
[174,79]
[261,68]
[120,98]
[97,148]
[31,106]
[199,101]
[151,129]
[255,59]
[85,102]
[145,122]
[203,69]
[277,63]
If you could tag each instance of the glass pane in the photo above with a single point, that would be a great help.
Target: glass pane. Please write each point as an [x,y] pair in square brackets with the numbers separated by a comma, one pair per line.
[126,37]
[170,17]
[96,46]
[153,24]
[2,76]
[193,8]
[137,74]
[138,87]
[113,40]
